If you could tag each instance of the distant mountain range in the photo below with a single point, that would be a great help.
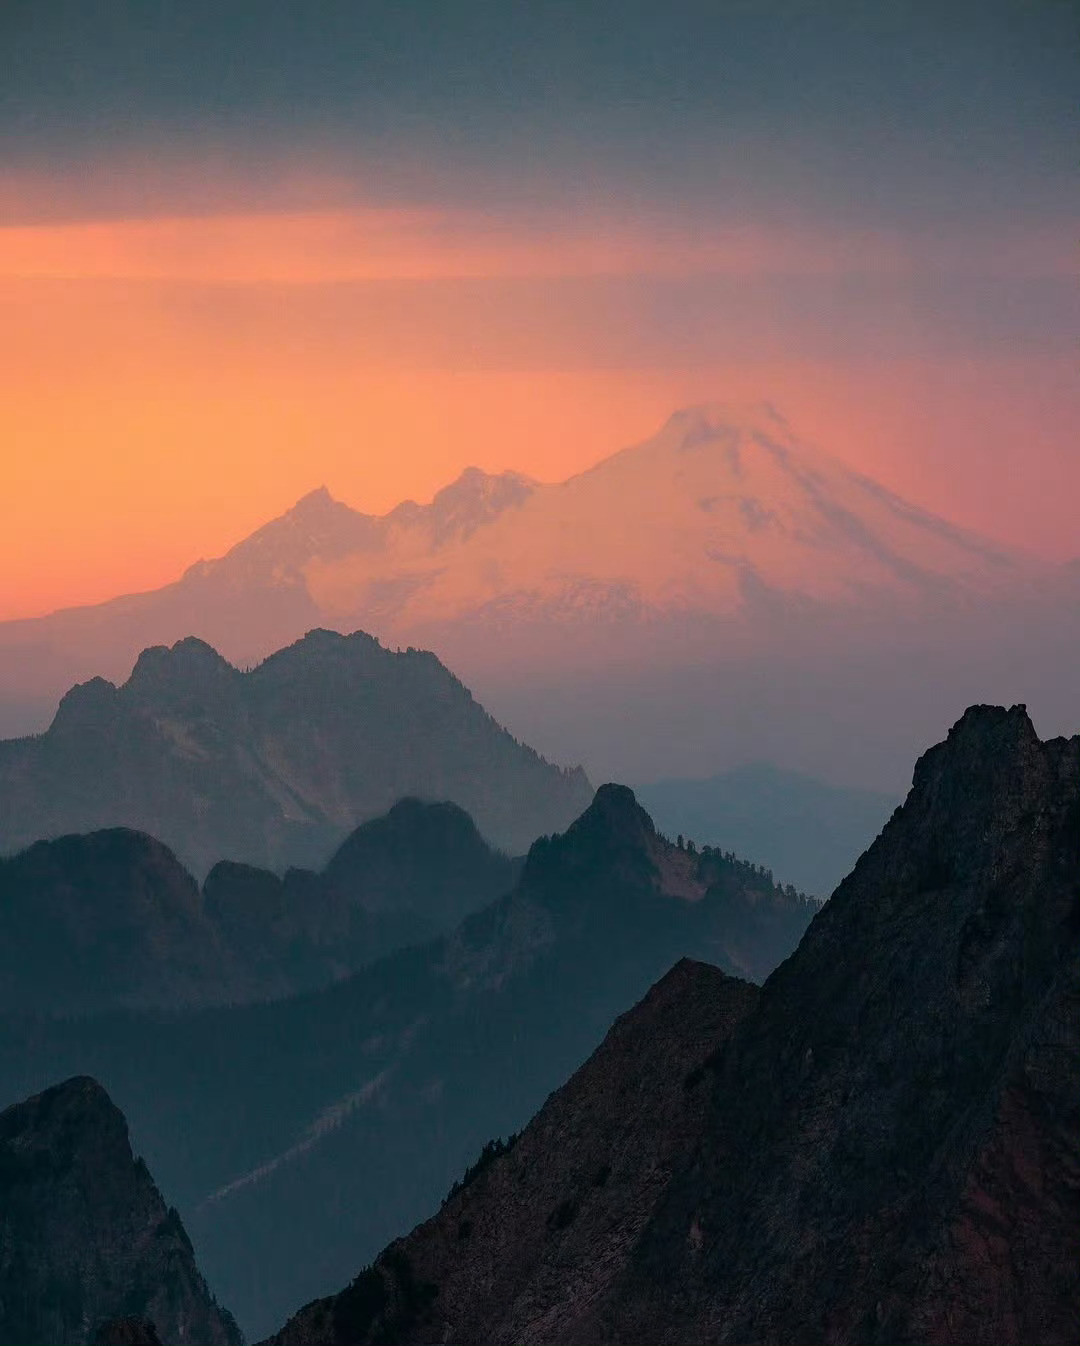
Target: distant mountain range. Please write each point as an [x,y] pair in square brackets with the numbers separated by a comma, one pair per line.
[876,1147]
[112,920]
[809,832]
[722,563]
[274,766]
[85,1236]
[298,1137]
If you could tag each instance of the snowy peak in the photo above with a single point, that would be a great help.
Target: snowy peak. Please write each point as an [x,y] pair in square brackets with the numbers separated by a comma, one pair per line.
[718,420]
[319,531]
[724,486]
[724,512]
[317,525]
[474,499]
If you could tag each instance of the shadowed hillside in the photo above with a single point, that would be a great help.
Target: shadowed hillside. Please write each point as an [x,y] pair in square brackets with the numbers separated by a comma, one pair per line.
[112,919]
[878,1147]
[85,1237]
[299,1136]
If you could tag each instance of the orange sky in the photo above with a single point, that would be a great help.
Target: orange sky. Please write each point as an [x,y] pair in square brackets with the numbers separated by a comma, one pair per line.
[168,384]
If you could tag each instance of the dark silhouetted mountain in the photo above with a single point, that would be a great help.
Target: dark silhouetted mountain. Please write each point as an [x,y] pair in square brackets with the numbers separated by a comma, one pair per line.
[882,1150]
[276,765]
[809,832]
[112,919]
[421,858]
[85,1237]
[248,603]
[585,1174]
[129,1331]
[109,919]
[299,1137]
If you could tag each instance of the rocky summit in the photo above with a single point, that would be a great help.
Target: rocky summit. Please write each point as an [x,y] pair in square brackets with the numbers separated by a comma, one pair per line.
[880,1147]
[89,1252]
[276,765]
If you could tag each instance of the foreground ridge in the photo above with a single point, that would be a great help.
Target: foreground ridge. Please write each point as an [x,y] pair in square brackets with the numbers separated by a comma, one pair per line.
[881,1149]
[86,1238]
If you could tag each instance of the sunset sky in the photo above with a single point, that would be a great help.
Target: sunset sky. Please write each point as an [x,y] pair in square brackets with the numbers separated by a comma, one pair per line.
[248,249]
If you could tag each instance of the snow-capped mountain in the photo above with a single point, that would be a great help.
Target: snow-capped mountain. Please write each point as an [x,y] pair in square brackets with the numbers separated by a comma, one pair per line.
[716,510]
[722,538]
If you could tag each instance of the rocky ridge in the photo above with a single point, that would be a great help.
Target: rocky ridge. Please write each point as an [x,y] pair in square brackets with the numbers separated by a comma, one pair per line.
[276,765]
[85,1237]
[366,1099]
[535,1232]
[885,1150]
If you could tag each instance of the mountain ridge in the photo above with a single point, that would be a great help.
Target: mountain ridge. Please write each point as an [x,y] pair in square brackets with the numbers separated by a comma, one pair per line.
[275,765]
[723,516]
[367,1098]
[884,1150]
[111,920]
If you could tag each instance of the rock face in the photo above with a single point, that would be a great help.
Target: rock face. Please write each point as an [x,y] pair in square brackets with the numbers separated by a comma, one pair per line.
[113,920]
[127,1332]
[85,1237]
[888,1155]
[532,1240]
[277,765]
[886,1147]
[299,1137]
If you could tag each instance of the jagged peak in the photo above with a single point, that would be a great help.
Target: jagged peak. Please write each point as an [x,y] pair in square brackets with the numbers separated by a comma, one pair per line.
[84,703]
[980,721]
[614,823]
[473,499]
[82,1089]
[322,640]
[190,658]
[315,523]
[315,508]
[720,430]
[715,417]
[324,637]
[989,776]
[983,735]
[81,1099]
[615,810]
[323,647]
[687,972]
[476,480]
[473,487]
[316,499]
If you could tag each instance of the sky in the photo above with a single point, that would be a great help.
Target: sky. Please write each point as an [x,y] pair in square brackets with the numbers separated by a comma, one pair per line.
[249,249]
